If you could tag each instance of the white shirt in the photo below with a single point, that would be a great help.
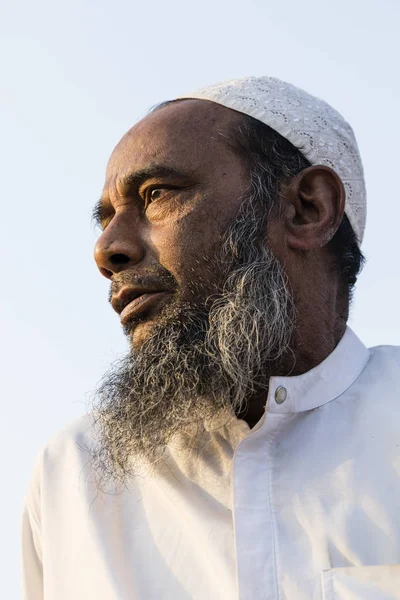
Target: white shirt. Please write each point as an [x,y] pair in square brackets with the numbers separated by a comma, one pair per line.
[305,506]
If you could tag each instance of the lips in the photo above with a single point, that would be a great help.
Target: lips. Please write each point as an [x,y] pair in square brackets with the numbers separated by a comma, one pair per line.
[134,300]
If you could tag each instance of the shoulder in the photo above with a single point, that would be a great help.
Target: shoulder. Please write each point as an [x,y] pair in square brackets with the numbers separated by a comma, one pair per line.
[386,350]
[62,456]
[74,436]
[385,358]
[378,387]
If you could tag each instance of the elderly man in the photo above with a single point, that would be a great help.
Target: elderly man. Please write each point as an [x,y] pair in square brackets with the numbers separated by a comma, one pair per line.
[248,446]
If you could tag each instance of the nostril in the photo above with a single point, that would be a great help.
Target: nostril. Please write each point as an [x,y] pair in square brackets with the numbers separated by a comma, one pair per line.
[119,259]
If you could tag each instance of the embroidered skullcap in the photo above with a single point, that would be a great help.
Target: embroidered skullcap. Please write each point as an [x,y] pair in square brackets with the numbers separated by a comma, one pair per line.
[310,124]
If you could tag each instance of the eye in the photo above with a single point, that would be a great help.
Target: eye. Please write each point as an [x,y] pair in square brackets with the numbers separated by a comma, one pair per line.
[152,194]
[155,194]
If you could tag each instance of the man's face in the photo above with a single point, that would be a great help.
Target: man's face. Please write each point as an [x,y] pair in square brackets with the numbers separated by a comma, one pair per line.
[181,219]
[173,186]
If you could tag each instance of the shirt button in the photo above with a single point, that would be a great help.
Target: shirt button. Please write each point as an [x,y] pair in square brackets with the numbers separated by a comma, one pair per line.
[280,394]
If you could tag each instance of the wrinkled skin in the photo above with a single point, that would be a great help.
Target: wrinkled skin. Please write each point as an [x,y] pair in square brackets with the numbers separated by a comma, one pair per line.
[181,229]
[172,239]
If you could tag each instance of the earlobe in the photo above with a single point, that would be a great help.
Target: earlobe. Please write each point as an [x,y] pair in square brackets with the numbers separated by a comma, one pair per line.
[314,206]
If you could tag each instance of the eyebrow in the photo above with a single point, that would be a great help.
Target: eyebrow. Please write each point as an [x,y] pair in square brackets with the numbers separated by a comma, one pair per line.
[134,180]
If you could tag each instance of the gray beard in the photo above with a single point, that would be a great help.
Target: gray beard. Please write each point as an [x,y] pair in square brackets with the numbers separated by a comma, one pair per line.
[201,358]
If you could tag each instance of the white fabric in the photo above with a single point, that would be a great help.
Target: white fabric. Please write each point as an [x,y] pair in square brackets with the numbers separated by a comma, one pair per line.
[310,124]
[306,506]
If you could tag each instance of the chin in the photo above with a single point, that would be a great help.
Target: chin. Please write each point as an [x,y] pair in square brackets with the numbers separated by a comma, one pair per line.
[140,333]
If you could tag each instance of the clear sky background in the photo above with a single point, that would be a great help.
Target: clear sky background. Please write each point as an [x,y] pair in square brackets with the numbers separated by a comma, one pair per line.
[74,77]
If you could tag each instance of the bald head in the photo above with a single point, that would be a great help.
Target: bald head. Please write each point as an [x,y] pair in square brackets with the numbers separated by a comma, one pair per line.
[186,130]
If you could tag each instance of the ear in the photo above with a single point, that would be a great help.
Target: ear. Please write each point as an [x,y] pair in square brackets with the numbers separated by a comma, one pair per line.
[314,206]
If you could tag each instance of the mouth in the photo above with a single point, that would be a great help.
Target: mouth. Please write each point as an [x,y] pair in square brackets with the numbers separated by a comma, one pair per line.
[141,303]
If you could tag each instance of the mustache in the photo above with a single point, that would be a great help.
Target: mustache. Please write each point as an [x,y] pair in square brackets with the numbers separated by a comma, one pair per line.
[152,277]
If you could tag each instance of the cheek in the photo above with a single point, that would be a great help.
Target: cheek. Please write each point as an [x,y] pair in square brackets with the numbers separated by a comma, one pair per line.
[185,245]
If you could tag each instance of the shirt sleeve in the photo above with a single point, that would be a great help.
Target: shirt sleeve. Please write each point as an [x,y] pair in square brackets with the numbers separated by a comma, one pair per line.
[32,564]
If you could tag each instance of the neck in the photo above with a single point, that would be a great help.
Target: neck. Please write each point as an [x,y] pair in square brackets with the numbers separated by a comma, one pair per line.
[311,345]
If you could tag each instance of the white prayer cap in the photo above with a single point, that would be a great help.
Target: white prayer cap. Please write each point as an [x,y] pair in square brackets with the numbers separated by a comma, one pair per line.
[310,124]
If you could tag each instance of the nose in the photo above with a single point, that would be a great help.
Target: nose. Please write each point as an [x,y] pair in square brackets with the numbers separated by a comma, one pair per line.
[118,248]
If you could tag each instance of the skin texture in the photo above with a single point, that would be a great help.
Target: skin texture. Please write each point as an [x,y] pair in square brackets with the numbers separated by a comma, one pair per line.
[180,230]
[171,239]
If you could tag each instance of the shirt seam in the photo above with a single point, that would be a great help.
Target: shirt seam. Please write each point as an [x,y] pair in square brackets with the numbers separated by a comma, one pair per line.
[273,519]
[234,520]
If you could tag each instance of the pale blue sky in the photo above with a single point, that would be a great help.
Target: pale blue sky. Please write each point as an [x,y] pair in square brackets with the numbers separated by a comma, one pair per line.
[75,76]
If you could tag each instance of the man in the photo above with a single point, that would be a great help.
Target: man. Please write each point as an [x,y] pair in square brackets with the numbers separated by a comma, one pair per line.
[248,446]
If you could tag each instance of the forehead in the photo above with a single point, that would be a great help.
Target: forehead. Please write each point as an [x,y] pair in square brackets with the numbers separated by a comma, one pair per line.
[190,134]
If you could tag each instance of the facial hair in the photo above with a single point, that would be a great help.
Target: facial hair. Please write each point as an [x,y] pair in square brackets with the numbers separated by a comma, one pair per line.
[201,359]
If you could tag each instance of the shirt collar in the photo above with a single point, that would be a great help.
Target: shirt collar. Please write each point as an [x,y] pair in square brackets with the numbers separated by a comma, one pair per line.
[324,383]
[317,387]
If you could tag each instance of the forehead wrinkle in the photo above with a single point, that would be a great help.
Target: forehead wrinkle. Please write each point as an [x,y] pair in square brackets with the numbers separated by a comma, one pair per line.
[181,136]
[136,178]
[182,125]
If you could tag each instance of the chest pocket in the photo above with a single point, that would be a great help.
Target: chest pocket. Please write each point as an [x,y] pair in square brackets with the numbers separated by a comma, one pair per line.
[362,583]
